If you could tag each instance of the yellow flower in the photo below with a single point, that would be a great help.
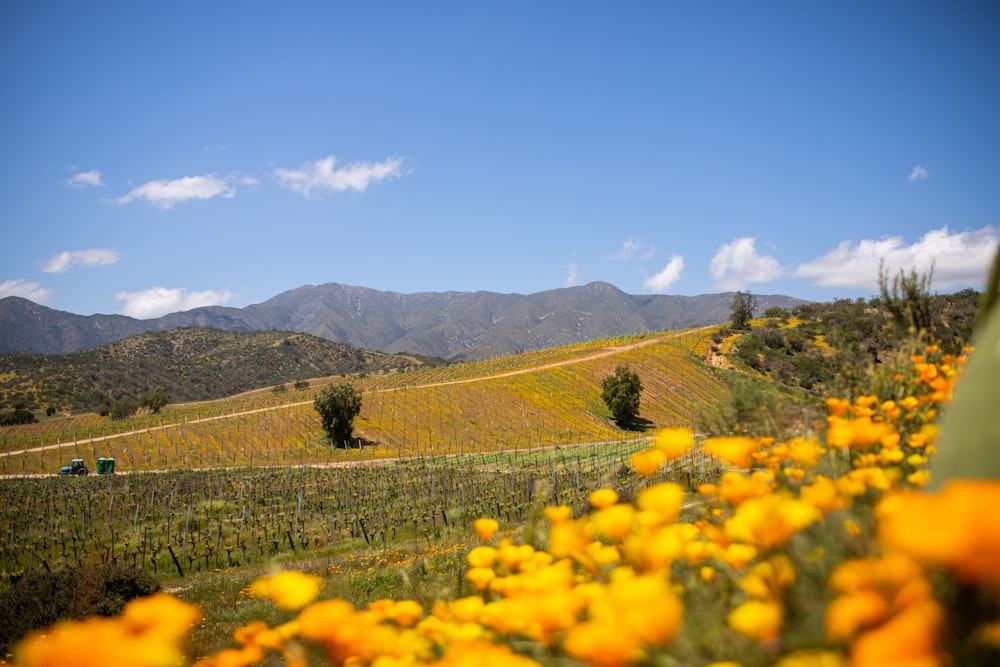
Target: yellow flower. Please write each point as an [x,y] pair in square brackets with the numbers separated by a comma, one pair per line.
[558,513]
[602,498]
[663,499]
[735,487]
[480,577]
[816,658]
[614,522]
[848,614]
[648,462]
[674,442]
[734,450]
[288,590]
[602,644]
[161,614]
[957,528]
[486,528]
[919,479]
[805,451]
[770,520]
[757,619]
[908,638]
[855,433]
[404,613]
[482,556]
[148,634]
[737,555]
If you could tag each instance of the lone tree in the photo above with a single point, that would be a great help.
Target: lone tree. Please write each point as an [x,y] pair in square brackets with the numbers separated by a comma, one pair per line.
[621,395]
[156,399]
[743,307]
[337,406]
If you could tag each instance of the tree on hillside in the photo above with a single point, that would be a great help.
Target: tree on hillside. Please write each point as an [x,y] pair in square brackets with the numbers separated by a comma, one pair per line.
[337,406]
[621,395]
[156,399]
[123,408]
[743,307]
[908,298]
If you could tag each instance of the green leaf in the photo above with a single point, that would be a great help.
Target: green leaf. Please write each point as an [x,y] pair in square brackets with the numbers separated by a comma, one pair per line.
[969,443]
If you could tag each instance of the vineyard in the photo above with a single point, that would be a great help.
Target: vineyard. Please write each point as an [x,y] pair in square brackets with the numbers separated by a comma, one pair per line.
[537,399]
[178,523]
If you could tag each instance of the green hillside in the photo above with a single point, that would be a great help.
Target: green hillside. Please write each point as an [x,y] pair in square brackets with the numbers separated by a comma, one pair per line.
[191,364]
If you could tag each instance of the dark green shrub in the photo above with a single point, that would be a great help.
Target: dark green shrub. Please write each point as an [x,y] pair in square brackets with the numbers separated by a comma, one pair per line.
[17,416]
[39,599]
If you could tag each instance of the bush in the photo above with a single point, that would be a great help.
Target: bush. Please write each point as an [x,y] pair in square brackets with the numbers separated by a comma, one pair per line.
[17,416]
[40,599]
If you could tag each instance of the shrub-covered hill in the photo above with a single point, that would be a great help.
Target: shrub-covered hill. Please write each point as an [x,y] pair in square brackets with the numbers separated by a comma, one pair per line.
[191,364]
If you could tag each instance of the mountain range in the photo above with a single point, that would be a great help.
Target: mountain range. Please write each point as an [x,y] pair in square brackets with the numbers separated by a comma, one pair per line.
[450,325]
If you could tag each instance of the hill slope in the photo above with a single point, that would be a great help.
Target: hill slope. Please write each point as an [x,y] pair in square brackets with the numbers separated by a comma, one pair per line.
[449,325]
[545,398]
[192,364]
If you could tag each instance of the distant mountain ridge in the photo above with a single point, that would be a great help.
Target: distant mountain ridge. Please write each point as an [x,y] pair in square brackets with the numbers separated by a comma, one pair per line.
[449,325]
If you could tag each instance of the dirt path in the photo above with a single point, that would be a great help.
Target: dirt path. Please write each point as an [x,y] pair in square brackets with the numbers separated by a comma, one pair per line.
[604,352]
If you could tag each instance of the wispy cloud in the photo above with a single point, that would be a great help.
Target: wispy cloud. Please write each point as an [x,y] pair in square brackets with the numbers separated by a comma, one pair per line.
[628,250]
[918,174]
[325,175]
[666,278]
[572,271]
[960,259]
[24,289]
[69,259]
[165,194]
[738,264]
[84,179]
[632,248]
[158,301]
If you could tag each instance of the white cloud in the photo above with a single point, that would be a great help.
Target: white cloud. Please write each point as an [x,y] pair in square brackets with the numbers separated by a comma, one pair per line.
[628,250]
[571,274]
[24,289]
[68,259]
[666,278]
[918,174]
[85,178]
[960,259]
[167,193]
[323,175]
[158,301]
[737,264]
[631,248]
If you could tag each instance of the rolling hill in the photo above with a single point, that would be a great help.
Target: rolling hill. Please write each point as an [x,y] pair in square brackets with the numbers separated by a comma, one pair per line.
[538,399]
[191,364]
[449,325]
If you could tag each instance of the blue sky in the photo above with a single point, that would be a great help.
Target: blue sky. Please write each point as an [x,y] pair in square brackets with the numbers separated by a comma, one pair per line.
[162,156]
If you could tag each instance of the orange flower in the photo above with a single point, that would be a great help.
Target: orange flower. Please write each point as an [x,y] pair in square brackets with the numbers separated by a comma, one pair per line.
[482,556]
[770,520]
[602,498]
[674,442]
[289,590]
[734,450]
[805,452]
[663,499]
[648,462]
[758,619]
[958,528]
[558,513]
[908,638]
[613,523]
[486,528]
[845,434]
